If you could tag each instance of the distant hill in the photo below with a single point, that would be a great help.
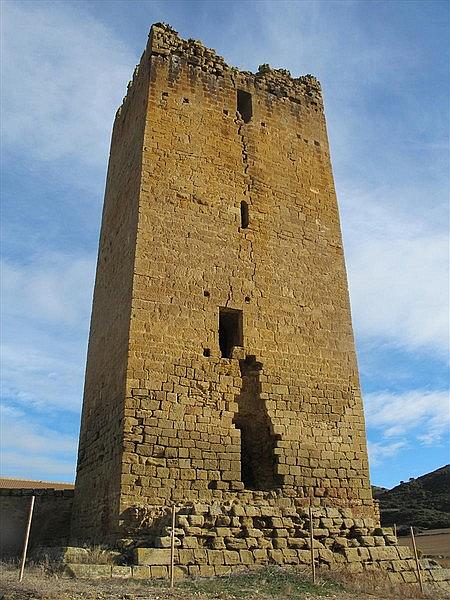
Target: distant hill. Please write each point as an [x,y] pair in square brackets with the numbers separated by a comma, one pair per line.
[423,502]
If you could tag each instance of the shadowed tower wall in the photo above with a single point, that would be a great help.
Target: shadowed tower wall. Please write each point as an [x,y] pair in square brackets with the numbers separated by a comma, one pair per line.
[221,360]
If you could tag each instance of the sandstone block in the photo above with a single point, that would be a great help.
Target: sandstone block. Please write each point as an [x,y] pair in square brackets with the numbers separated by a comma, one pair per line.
[260,555]
[383,553]
[121,572]
[215,557]
[186,557]
[231,557]
[85,571]
[304,556]
[151,556]
[189,541]
[141,572]
[246,557]
[276,556]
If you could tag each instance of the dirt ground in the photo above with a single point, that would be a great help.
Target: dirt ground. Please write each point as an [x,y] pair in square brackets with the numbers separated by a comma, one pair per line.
[434,543]
[264,585]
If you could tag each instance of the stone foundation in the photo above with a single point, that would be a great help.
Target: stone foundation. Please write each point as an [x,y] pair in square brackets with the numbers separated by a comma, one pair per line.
[220,538]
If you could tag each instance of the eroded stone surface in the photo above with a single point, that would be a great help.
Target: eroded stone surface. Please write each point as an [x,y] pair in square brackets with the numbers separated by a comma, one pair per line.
[221,361]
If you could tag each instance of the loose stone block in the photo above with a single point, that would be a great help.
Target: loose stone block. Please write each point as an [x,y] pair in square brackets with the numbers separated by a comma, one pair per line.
[81,571]
[121,572]
[383,553]
[141,572]
[215,557]
[152,556]
[159,572]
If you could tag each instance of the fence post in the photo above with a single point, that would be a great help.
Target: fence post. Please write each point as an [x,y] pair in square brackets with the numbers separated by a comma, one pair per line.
[27,537]
[172,545]
[311,541]
[419,574]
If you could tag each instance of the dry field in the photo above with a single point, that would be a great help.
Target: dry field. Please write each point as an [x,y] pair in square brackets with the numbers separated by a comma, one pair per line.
[434,543]
[268,584]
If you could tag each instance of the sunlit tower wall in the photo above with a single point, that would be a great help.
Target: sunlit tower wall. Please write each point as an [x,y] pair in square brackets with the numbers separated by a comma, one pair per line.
[221,360]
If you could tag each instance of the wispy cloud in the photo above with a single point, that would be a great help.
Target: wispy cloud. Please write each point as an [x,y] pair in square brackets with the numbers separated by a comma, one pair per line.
[49,287]
[64,75]
[30,447]
[422,415]
[37,466]
[26,435]
[46,307]
[379,451]
[398,274]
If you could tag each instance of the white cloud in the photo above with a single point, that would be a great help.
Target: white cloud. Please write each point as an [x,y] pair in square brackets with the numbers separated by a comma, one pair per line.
[379,451]
[398,273]
[50,287]
[64,75]
[420,414]
[22,434]
[32,450]
[38,466]
[43,372]
[46,307]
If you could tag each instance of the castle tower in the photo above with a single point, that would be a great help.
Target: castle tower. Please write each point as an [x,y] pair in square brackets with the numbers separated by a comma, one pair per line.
[221,360]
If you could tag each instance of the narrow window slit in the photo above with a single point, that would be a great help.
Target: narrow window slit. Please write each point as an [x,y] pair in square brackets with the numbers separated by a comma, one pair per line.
[244,214]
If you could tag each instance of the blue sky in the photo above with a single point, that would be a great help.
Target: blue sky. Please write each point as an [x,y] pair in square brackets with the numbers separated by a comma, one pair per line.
[384,68]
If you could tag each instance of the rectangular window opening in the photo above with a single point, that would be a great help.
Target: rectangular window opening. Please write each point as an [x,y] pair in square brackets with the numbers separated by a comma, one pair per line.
[230,330]
[244,105]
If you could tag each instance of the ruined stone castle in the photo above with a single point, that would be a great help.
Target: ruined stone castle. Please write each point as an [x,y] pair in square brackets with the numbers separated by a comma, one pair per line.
[221,374]
[221,361]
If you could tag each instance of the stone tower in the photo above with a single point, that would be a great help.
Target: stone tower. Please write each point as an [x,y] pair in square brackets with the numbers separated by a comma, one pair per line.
[221,361]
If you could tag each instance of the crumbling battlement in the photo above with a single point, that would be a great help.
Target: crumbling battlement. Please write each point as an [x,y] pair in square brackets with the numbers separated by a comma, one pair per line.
[164,41]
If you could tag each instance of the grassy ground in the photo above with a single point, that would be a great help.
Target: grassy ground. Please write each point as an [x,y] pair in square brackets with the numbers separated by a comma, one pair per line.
[40,583]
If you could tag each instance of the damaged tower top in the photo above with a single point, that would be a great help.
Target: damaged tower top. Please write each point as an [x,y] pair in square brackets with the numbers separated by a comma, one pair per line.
[221,363]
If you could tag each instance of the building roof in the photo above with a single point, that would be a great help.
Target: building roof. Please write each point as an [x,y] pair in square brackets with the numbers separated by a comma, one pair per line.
[30,484]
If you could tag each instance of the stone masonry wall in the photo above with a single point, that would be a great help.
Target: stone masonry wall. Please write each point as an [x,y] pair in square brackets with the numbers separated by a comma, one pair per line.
[97,490]
[51,518]
[180,408]
[224,537]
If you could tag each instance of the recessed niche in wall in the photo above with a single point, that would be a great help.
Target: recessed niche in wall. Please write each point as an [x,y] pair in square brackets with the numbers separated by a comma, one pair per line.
[244,105]
[230,330]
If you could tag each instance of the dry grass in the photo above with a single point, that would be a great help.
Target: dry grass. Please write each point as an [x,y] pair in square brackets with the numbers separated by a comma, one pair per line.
[377,584]
[97,555]
[43,583]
